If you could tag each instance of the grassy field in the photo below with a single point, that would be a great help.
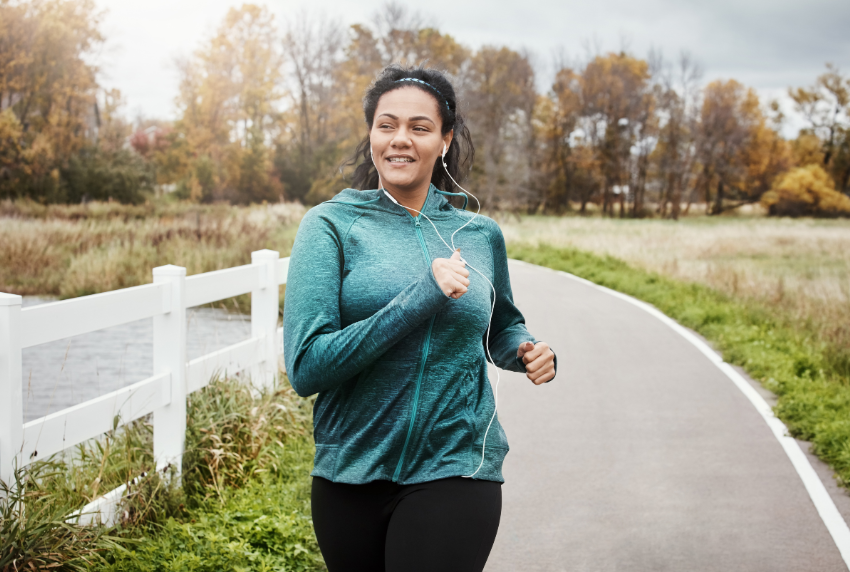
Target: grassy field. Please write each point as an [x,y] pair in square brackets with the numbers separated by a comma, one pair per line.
[70,251]
[798,269]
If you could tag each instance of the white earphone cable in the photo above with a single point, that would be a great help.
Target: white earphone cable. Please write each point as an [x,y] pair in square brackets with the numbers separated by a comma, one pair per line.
[492,306]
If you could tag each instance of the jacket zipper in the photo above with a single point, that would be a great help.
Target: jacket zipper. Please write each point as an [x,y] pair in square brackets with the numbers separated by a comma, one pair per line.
[421,365]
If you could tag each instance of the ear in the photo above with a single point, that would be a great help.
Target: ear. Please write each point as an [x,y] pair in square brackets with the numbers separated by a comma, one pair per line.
[447,141]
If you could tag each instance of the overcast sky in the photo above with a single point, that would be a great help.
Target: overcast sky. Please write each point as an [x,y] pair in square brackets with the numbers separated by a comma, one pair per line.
[766,44]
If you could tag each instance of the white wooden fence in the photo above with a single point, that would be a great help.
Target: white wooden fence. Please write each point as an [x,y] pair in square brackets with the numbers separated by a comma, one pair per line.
[163,394]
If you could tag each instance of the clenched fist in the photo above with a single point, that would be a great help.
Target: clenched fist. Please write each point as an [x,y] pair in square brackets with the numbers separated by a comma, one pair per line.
[451,274]
[539,361]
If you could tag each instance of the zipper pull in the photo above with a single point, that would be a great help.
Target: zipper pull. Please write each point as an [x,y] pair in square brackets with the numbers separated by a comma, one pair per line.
[416,220]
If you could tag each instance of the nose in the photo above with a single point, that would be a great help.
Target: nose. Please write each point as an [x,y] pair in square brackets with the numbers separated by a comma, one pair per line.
[401,139]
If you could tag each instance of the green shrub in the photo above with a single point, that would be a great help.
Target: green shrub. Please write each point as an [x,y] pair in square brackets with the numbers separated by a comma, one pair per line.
[95,174]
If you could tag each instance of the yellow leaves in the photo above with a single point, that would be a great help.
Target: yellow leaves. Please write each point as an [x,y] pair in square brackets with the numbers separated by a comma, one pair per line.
[228,99]
[806,190]
[738,148]
[10,137]
[609,82]
[807,149]
[440,50]
[44,75]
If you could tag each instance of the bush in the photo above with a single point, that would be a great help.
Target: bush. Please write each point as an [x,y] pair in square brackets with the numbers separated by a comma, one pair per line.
[806,191]
[95,174]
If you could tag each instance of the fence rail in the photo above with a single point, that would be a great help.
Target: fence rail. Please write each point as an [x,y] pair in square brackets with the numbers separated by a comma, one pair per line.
[164,394]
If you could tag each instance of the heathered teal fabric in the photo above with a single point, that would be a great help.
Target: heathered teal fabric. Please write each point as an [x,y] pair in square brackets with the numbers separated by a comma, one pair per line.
[360,301]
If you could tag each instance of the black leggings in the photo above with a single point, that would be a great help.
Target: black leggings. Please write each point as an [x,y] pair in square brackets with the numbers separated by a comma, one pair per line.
[447,525]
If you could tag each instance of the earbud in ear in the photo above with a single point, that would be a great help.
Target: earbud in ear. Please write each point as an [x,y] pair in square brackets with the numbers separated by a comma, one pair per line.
[445,150]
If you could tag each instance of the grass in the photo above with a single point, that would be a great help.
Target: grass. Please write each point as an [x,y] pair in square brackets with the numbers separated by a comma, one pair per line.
[263,526]
[244,503]
[76,250]
[811,383]
[34,532]
[799,267]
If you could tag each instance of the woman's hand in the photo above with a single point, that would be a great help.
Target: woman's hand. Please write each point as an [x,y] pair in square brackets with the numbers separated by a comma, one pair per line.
[451,274]
[539,361]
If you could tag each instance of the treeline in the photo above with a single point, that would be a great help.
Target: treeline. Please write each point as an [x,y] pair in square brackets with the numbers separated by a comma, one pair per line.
[270,110]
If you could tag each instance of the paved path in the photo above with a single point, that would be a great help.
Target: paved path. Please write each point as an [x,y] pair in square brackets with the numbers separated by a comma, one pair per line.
[641,455]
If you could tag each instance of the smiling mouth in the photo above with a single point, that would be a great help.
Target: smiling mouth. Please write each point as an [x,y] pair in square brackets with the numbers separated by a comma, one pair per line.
[400,159]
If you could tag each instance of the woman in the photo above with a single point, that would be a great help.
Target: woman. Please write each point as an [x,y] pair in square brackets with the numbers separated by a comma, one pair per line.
[389,327]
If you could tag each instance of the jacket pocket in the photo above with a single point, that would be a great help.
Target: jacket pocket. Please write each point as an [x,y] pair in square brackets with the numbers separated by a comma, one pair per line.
[324,464]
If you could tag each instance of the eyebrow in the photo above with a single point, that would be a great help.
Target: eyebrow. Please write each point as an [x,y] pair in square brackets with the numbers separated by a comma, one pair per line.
[415,118]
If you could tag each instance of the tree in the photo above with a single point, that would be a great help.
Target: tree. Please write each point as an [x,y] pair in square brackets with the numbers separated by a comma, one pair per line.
[47,91]
[617,114]
[826,106]
[228,106]
[675,153]
[330,83]
[729,114]
[807,149]
[578,165]
[310,143]
[502,100]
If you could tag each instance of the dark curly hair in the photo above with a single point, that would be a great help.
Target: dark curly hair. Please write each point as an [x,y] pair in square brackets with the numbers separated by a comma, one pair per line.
[461,151]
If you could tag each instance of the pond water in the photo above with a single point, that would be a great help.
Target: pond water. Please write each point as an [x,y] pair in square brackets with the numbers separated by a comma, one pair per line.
[70,371]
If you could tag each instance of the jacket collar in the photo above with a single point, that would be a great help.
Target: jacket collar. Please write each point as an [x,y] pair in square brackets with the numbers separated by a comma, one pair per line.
[436,206]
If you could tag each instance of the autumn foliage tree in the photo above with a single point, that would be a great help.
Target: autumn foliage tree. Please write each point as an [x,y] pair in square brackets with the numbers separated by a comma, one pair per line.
[228,95]
[269,110]
[826,107]
[47,92]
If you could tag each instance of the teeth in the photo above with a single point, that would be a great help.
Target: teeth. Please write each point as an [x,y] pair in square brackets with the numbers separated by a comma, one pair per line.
[400,160]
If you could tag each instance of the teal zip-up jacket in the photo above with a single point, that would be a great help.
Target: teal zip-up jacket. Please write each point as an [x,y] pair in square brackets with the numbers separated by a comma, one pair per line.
[399,367]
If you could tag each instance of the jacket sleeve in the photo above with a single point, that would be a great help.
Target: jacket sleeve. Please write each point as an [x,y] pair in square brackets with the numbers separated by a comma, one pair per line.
[507,329]
[319,353]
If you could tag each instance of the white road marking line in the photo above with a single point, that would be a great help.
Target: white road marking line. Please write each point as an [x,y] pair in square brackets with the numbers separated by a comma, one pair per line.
[833,520]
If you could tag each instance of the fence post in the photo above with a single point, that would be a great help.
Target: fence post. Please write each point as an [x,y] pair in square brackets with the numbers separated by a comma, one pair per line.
[11,390]
[264,311]
[169,354]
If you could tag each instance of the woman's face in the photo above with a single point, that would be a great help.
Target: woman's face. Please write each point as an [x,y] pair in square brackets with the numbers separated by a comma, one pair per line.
[406,138]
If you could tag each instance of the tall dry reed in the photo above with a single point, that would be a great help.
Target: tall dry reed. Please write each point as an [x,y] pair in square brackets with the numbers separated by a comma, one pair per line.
[84,249]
